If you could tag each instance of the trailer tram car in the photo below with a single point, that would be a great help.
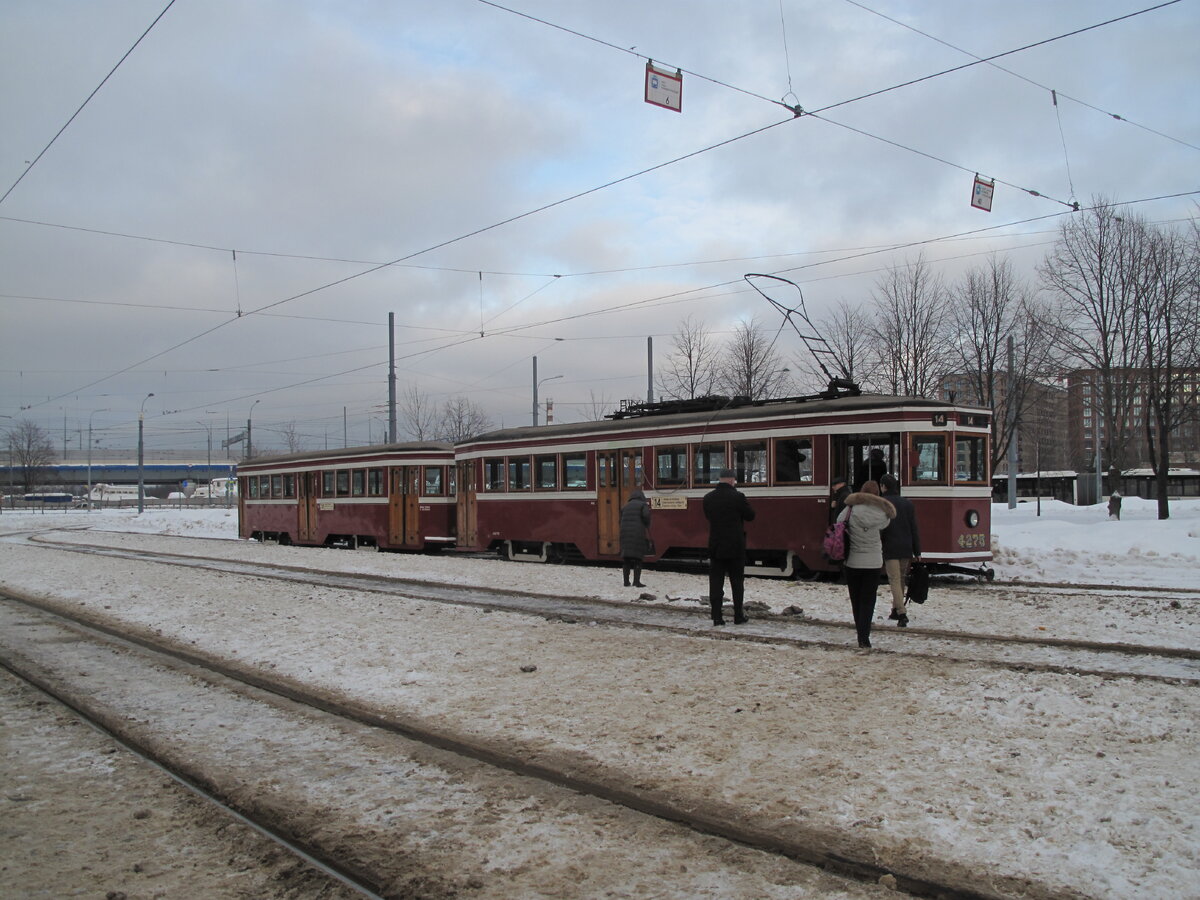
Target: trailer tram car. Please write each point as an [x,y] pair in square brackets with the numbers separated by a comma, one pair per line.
[554,492]
[392,497]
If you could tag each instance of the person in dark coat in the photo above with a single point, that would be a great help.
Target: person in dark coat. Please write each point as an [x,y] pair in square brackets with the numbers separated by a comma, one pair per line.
[901,545]
[727,511]
[635,536]
[866,515]
[1114,506]
[838,492]
[872,468]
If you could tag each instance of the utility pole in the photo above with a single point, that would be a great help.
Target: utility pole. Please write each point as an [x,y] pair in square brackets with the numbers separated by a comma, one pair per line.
[650,369]
[1012,428]
[391,378]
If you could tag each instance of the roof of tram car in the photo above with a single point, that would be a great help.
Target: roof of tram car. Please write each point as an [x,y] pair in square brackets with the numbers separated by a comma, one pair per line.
[441,447]
[707,410]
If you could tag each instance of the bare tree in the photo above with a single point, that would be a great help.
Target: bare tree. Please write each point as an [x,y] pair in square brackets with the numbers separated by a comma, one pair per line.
[990,305]
[1096,273]
[598,406]
[292,440]
[908,333]
[691,369]
[461,420]
[750,366]
[847,331]
[419,416]
[1169,309]
[31,449]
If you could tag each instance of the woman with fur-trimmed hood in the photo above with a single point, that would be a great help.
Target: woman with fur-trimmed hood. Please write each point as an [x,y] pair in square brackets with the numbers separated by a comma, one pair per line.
[866,515]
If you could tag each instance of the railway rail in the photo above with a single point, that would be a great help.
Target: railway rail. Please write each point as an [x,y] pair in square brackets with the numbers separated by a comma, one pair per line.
[63,655]
[1048,654]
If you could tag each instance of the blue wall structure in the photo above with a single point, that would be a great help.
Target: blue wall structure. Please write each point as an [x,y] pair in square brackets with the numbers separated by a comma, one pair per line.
[123,473]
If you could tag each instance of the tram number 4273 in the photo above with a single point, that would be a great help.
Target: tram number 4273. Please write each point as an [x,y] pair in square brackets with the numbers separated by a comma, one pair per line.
[973,541]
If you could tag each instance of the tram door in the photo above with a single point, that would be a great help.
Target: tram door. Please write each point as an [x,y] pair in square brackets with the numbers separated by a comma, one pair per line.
[857,457]
[618,472]
[306,506]
[404,506]
[468,530]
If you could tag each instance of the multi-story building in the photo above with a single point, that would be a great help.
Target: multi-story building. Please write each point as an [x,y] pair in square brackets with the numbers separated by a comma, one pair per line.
[1042,443]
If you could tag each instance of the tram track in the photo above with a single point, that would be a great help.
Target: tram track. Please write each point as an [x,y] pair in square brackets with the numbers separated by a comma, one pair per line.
[91,641]
[1021,653]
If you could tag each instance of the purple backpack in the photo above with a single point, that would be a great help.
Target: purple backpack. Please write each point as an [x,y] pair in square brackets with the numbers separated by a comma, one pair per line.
[836,543]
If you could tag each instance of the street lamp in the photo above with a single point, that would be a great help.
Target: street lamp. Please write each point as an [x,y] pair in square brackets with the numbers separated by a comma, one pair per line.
[89,493]
[249,426]
[141,456]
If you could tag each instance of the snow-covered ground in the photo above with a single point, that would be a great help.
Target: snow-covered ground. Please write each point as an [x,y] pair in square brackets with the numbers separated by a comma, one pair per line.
[1081,783]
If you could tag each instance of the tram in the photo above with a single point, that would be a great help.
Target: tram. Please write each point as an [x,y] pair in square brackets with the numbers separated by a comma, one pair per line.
[554,493]
[391,497]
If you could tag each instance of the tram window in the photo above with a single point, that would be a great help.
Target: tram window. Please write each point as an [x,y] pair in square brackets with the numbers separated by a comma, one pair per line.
[452,480]
[493,474]
[252,487]
[343,482]
[518,473]
[433,481]
[671,466]
[547,472]
[574,472]
[327,489]
[375,482]
[708,463]
[970,458]
[289,485]
[358,482]
[793,461]
[928,459]
[750,462]
[276,485]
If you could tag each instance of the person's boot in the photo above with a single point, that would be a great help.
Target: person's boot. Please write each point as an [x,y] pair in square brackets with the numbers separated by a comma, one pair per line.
[637,576]
[625,572]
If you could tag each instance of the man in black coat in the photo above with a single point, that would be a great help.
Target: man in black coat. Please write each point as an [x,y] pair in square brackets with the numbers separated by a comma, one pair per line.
[726,509]
[901,545]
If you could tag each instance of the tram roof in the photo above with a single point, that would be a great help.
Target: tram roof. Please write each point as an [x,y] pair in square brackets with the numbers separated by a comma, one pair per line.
[342,452]
[745,410]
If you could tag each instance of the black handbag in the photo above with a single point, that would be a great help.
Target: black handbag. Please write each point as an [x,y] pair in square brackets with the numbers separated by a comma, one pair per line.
[918,584]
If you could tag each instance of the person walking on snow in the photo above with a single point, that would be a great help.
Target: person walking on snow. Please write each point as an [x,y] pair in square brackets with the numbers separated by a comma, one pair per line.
[901,545]
[866,515]
[727,509]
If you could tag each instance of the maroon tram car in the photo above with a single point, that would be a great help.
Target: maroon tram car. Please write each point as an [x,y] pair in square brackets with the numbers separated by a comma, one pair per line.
[392,497]
[554,493]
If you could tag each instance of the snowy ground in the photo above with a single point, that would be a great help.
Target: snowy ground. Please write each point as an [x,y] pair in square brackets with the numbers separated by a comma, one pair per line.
[1082,783]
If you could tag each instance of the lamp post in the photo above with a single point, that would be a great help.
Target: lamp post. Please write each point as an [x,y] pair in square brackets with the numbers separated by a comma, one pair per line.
[10,466]
[536,385]
[141,455]
[89,493]
[249,425]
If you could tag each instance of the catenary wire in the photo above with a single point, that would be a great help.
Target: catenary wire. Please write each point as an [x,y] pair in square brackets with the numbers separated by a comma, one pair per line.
[1024,78]
[103,81]
[596,189]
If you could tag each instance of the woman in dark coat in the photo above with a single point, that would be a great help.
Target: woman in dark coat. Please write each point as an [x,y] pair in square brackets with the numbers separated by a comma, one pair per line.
[635,536]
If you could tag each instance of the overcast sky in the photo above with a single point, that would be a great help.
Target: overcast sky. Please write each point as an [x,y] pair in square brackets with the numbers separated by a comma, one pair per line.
[213,226]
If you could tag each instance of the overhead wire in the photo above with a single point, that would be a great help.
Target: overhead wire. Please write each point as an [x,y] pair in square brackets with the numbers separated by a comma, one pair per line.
[604,186]
[1058,93]
[75,114]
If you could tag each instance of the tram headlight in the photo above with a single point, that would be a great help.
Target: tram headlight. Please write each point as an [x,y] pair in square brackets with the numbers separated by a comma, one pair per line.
[972,518]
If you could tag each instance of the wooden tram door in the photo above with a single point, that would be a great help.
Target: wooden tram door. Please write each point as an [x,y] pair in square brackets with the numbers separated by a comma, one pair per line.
[468,528]
[404,508]
[618,472]
[306,506]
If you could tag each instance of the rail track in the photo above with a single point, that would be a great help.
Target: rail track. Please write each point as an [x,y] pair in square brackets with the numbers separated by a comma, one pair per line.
[63,655]
[1046,654]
